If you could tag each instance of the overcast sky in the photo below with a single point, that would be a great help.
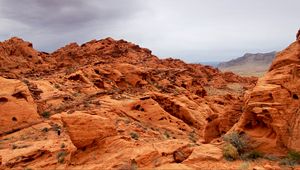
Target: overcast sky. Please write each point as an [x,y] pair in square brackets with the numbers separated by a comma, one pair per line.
[192,30]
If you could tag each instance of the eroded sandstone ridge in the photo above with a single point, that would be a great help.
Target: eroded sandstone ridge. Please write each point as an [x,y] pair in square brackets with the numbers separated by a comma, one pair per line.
[110,104]
[272,109]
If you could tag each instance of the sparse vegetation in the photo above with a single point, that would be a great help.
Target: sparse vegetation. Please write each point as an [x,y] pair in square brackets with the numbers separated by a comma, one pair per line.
[86,103]
[238,146]
[14,146]
[294,156]
[57,86]
[193,137]
[167,135]
[230,152]
[62,145]
[271,157]
[252,155]
[70,70]
[45,114]
[134,135]
[240,142]
[45,129]
[133,164]
[61,156]
[292,159]
[244,166]
[56,128]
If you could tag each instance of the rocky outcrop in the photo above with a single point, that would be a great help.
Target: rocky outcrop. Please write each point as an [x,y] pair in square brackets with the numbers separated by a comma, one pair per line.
[18,57]
[109,104]
[17,107]
[271,111]
[84,129]
[203,153]
[37,147]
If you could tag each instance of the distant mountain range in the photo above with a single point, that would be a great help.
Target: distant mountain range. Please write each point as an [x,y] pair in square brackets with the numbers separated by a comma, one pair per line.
[249,64]
[212,63]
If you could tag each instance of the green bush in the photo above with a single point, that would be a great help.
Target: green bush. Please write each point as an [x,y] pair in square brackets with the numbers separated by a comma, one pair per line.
[134,135]
[61,156]
[230,153]
[46,114]
[240,142]
[252,155]
[292,159]
[293,155]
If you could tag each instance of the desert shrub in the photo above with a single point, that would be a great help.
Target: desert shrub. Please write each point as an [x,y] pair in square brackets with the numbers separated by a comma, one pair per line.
[292,159]
[293,155]
[134,135]
[45,129]
[230,153]
[251,155]
[167,135]
[193,136]
[271,157]
[244,166]
[133,164]
[45,114]
[240,142]
[14,146]
[287,162]
[61,156]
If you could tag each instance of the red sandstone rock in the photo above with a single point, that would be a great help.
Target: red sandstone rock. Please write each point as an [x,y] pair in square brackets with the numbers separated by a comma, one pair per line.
[271,110]
[17,107]
[84,129]
[119,105]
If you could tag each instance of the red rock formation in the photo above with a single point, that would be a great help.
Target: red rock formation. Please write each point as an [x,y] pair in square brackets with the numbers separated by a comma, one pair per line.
[271,110]
[112,105]
[84,129]
[17,107]
[18,57]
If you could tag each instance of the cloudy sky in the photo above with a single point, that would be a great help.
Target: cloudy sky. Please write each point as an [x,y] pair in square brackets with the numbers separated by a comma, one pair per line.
[193,30]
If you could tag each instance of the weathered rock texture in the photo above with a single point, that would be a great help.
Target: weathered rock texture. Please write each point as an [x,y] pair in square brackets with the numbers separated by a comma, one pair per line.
[110,104]
[17,107]
[272,109]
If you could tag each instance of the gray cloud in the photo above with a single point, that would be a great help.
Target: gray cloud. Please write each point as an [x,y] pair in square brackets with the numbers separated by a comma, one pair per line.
[193,30]
[58,15]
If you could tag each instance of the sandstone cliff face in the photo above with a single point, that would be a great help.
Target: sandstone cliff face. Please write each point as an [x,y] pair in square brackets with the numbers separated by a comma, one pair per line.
[271,110]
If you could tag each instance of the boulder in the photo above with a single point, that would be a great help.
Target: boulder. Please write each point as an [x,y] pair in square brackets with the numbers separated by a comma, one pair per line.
[204,153]
[17,107]
[84,128]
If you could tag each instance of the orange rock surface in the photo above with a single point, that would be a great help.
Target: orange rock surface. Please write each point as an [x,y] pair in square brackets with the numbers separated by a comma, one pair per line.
[109,104]
[271,111]
[17,108]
